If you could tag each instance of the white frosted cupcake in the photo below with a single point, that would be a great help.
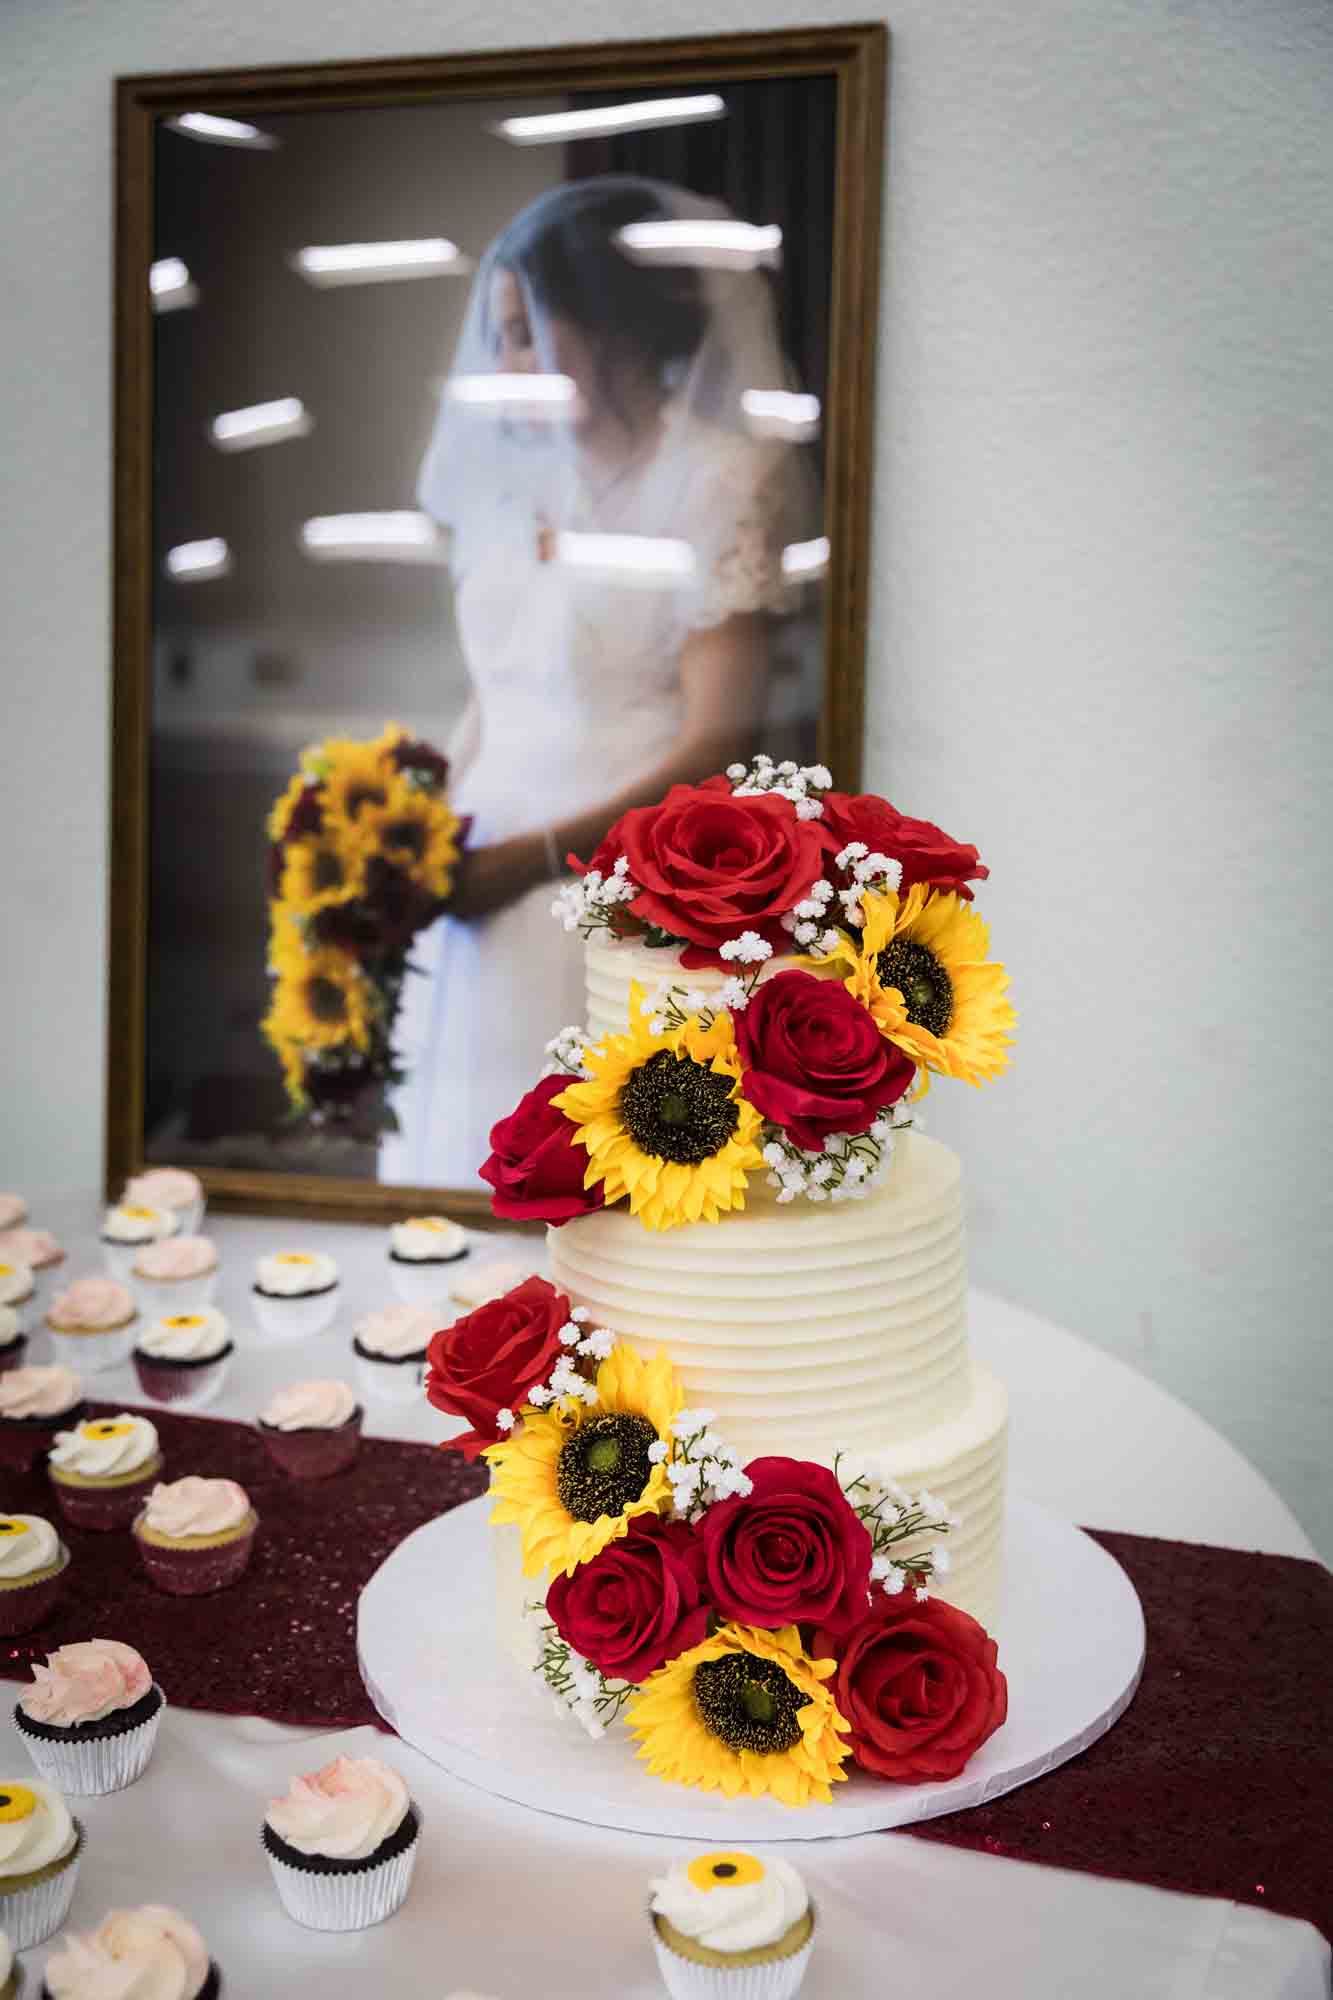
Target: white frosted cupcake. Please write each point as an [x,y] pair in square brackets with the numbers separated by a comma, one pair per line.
[183,1358]
[419,1251]
[175,1274]
[103,1470]
[91,1324]
[390,1348]
[90,1719]
[342,1845]
[39,1861]
[313,1429]
[17,1286]
[127,1228]
[33,1561]
[481,1283]
[153,1951]
[170,1187]
[728,1926]
[296,1293]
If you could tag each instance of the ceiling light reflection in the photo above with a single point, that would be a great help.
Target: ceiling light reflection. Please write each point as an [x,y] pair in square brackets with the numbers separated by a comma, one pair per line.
[780,413]
[802,562]
[196,562]
[644,561]
[539,398]
[221,131]
[722,246]
[542,127]
[376,263]
[387,537]
[261,423]
[170,286]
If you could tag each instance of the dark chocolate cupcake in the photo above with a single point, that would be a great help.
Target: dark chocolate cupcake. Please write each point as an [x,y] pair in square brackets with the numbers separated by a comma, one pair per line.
[342,1845]
[90,1720]
[313,1429]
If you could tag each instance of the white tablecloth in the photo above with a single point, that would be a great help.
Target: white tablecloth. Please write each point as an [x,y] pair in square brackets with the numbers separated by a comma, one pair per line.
[515,1904]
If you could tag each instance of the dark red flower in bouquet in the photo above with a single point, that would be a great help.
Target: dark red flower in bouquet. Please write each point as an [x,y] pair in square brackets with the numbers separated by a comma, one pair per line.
[791,1552]
[919,1685]
[409,753]
[638,1603]
[710,866]
[536,1165]
[488,1361]
[927,853]
[813,1059]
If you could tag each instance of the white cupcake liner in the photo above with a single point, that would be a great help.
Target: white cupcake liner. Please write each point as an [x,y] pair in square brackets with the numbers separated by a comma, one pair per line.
[30,1916]
[425,1283]
[298,1317]
[205,1384]
[157,1296]
[390,1381]
[90,1766]
[90,1353]
[779,1979]
[350,1902]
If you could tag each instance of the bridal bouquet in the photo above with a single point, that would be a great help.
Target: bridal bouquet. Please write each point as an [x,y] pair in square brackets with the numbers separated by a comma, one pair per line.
[363,846]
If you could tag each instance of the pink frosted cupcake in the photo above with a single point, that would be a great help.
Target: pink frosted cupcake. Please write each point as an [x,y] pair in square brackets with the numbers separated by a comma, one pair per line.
[313,1429]
[390,1348]
[37,1248]
[196,1535]
[342,1845]
[13,1210]
[90,1719]
[104,1469]
[91,1324]
[126,1229]
[170,1187]
[183,1358]
[151,1950]
[17,1286]
[35,1403]
[33,1560]
[179,1274]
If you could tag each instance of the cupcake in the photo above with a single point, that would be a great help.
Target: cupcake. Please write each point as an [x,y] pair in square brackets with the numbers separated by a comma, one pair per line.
[183,1358]
[35,1403]
[732,1926]
[173,1188]
[34,1247]
[196,1535]
[390,1349]
[39,1861]
[295,1292]
[342,1844]
[90,1719]
[13,1340]
[13,1210]
[17,1286]
[175,1274]
[312,1429]
[32,1569]
[91,1324]
[127,1228]
[484,1282]
[150,1951]
[104,1469]
[11,1972]
[419,1249]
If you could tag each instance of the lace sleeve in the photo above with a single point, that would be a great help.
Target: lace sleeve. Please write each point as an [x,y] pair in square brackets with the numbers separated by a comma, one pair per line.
[743,524]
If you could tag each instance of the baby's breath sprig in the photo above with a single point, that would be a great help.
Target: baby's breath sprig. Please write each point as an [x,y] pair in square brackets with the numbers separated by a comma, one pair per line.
[851,1165]
[879,873]
[903,1526]
[800,783]
[595,901]
[703,1468]
[672,1005]
[566,1053]
[580,1688]
[584,1346]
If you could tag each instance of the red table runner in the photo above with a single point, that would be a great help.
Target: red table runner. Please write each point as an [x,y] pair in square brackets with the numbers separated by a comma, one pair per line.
[1217,1781]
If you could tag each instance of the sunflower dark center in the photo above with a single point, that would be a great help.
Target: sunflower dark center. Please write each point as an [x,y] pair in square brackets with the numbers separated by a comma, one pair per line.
[365,795]
[605,1466]
[328,869]
[748,1703]
[926,987]
[678,1109]
[326,1000]
[406,836]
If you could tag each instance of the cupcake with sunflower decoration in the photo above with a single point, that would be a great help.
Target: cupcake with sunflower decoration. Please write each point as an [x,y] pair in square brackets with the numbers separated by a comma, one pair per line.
[33,1561]
[125,1230]
[183,1358]
[103,1470]
[196,1535]
[40,1846]
[176,1189]
[295,1293]
[729,1924]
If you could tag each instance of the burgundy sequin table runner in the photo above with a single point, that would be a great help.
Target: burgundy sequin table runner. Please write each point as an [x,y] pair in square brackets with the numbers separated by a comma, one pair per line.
[1217,1781]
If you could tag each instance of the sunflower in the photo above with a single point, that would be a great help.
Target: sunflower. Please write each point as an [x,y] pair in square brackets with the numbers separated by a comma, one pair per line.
[356,776]
[663,1120]
[321,870]
[416,832]
[280,818]
[320,1001]
[744,1711]
[921,970]
[575,1475]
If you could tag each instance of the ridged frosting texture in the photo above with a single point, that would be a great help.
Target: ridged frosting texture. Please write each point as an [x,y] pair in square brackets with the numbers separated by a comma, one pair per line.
[138,1222]
[164,1187]
[344,1811]
[397,1331]
[152,1953]
[310,1406]
[425,1238]
[176,1257]
[39,1392]
[287,1274]
[28,1545]
[194,1506]
[105,1447]
[610,970]
[488,1281]
[185,1336]
[13,1210]
[96,1304]
[744,1911]
[15,1281]
[86,1681]
[34,1247]
[40,1831]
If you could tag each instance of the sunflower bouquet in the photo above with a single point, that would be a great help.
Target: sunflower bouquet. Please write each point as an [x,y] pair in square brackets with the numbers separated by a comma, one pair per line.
[362,852]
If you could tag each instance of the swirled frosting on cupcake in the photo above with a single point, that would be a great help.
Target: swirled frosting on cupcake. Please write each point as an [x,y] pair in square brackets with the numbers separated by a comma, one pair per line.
[28,1545]
[39,1392]
[195,1506]
[91,1305]
[427,1239]
[289,1274]
[85,1681]
[15,1282]
[194,1336]
[164,1187]
[729,1901]
[488,1281]
[34,1247]
[105,1447]
[137,1222]
[176,1257]
[13,1210]
[397,1331]
[344,1811]
[35,1827]
[152,1953]
[9,1326]
[310,1406]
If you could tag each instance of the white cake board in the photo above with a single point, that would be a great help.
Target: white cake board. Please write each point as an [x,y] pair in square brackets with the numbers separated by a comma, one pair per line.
[1071,1644]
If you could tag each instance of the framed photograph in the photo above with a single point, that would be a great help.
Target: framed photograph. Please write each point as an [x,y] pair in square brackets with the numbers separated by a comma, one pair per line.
[493,451]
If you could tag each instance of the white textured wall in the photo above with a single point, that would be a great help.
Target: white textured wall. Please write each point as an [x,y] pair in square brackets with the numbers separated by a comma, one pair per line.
[1102,605]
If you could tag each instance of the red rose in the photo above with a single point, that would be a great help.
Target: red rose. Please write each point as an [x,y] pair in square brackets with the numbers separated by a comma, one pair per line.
[813,1059]
[919,1686]
[790,1552]
[927,853]
[536,1164]
[709,866]
[637,1604]
[489,1360]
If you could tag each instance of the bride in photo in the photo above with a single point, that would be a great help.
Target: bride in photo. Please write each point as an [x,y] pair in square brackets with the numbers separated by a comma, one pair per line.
[596,392]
